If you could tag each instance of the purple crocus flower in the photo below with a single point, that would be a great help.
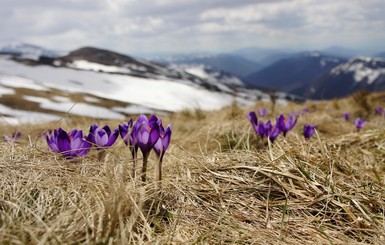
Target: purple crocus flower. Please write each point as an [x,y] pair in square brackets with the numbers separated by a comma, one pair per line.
[102,137]
[262,112]
[145,133]
[70,145]
[272,131]
[285,125]
[126,133]
[308,131]
[346,116]
[252,117]
[379,110]
[14,138]
[359,123]
[261,130]
[161,145]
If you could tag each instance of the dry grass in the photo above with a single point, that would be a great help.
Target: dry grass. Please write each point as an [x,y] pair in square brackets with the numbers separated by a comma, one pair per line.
[221,185]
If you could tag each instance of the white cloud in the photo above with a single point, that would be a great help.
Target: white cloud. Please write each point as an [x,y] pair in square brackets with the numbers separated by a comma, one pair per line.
[166,25]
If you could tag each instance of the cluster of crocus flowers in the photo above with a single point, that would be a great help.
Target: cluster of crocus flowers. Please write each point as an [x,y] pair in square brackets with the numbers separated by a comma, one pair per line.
[70,145]
[360,122]
[269,130]
[145,134]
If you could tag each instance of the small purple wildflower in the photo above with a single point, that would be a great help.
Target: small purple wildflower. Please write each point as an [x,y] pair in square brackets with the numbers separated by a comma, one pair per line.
[126,132]
[69,145]
[14,138]
[346,116]
[308,131]
[145,133]
[272,131]
[379,110]
[102,138]
[262,112]
[285,125]
[161,145]
[252,117]
[359,123]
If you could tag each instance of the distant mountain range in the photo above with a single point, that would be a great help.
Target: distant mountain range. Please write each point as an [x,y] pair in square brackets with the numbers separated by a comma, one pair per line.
[233,64]
[292,74]
[360,73]
[29,51]
[311,75]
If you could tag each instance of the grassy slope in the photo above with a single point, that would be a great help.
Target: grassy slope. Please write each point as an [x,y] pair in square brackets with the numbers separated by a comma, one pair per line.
[221,184]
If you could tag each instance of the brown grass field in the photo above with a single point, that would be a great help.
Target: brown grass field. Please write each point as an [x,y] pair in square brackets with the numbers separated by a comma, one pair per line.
[221,183]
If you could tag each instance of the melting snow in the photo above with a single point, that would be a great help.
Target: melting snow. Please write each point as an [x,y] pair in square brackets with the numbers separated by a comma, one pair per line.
[4,90]
[134,109]
[61,99]
[91,99]
[19,82]
[363,69]
[151,93]
[86,65]
[13,116]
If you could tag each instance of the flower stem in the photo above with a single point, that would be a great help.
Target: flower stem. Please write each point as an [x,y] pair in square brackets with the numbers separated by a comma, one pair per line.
[133,153]
[101,155]
[144,167]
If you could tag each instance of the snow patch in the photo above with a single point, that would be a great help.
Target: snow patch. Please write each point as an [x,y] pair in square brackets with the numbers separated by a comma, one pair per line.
[366,69]
[82,109]
[14,117]
[61,98]
[19,82]
[91,66]
[4,90]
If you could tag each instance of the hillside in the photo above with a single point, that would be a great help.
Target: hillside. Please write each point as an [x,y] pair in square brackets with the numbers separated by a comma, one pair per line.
[230,63]
[359,73]
[221,183]
[292,74]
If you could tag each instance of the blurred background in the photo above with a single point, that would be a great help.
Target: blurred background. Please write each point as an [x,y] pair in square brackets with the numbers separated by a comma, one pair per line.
[115,58]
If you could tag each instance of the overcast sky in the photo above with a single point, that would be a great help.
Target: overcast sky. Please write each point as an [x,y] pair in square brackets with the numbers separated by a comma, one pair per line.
[148,26]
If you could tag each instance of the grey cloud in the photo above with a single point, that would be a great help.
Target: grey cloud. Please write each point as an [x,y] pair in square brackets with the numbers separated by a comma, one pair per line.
[210,24]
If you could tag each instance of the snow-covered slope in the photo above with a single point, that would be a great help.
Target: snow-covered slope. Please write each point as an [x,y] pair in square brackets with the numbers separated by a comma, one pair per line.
[211,75]
[363,69]
[140,95]
[359,73]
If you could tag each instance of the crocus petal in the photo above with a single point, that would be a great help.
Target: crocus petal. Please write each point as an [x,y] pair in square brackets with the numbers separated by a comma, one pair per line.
[261,129]
[166,138]
[158,147]
[63,141]
[101,137]
[154,134]
[153,119]
[107,129]
[92,133]
[113,137]
[123,130]
[252,117]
